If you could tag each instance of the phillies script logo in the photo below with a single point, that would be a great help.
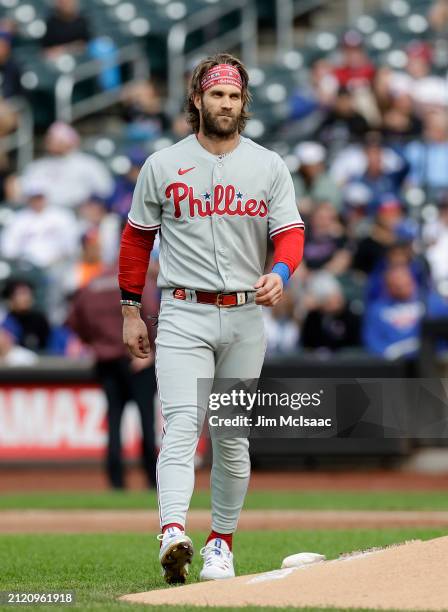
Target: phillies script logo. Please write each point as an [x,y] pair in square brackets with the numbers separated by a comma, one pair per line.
[226,201]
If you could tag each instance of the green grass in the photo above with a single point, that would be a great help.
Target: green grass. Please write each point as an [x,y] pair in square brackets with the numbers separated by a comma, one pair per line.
[262,500]
[101,567]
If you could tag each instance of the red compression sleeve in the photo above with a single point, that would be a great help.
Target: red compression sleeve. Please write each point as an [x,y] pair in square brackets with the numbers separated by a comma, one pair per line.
[288,247]
[135,249]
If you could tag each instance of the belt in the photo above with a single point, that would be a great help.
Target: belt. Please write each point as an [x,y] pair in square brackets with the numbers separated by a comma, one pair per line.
[222,300]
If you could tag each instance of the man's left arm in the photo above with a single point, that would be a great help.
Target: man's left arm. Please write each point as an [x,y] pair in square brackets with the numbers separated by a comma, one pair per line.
[286,229]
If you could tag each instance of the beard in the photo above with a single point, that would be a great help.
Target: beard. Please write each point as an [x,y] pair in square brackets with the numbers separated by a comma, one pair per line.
[212,125]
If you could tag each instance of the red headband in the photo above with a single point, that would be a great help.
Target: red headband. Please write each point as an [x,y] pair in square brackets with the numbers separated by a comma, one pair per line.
[223,74]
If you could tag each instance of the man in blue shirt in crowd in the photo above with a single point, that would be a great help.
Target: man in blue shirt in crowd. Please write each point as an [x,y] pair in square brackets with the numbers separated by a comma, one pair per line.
[392,322]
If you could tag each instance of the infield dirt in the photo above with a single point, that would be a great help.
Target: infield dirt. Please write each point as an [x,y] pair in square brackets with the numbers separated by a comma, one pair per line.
[144,521]
[410,576]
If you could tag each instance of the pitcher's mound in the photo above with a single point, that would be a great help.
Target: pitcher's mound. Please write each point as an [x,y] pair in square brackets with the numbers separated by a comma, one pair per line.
[411,576]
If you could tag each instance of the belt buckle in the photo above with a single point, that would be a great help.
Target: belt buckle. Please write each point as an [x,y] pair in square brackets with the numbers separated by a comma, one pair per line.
[219,303]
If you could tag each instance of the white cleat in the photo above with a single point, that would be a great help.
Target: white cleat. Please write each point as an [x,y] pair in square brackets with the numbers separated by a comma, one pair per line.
[175,555]
[218,561]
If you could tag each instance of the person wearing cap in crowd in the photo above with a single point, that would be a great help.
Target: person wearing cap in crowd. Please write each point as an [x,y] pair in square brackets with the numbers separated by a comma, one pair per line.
[381,181]
[391,327]
[400,122]
[428,90]
[311,182]
[90,263]
[356,197]
[401,252]
[342,123]
[372,248]
[124,187]
[352,162]
[355,68]
[70,176]
[425,89]
[330,323]
[96,212]
[39,234]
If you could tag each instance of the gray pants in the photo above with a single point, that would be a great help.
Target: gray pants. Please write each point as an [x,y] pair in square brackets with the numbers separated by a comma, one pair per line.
[203,341]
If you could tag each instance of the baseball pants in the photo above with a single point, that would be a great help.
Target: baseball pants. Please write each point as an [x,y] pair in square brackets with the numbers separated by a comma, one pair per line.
[203,341]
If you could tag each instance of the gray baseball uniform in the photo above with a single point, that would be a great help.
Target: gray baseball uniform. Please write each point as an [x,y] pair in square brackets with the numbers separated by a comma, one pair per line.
[215,213]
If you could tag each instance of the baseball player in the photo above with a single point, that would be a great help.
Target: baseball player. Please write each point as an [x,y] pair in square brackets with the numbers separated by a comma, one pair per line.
[216,197]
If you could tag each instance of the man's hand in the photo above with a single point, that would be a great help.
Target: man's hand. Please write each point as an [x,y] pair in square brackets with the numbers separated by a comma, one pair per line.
[270,289]
[135,332]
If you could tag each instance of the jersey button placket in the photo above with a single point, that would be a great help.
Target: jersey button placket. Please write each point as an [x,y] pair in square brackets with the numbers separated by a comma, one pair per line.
[217,221]
[225,273]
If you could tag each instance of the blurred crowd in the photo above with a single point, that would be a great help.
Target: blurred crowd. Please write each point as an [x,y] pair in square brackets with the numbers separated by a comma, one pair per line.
[370,169]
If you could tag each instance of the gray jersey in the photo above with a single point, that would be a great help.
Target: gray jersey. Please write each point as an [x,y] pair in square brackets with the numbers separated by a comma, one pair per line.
[214,212]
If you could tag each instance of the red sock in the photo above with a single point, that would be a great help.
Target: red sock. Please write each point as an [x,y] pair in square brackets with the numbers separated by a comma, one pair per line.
[178,525]
[227,537]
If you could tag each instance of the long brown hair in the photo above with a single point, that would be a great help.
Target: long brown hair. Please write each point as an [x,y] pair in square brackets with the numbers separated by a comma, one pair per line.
[195,88]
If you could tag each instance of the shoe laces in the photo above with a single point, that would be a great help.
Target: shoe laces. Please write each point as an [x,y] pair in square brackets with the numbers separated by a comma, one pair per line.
[168,534]
[215,555]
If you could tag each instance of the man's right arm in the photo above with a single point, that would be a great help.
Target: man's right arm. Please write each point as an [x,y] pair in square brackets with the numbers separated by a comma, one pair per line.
[135,251]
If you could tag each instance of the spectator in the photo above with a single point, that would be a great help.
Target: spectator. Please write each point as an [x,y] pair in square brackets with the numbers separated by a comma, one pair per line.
[125,185]
[355,69]
[9,71]
[317,93]
[437,308]
[382,182]
[28,324]
[326,244]
[95,315]
[428,90]
[371,249]
[281,327]
[342,124]
[352,163]
[312,183]
[70,176]
[40,235]
[400,122]
[356,222]
[67,29]
[392,323]
[90,264]
[329,324]
[8,118]
[13,355]
[180,127]
[96,212]
[436,238]
[142,110]
[438,16]
[437,303]
[400,253]
[428,158]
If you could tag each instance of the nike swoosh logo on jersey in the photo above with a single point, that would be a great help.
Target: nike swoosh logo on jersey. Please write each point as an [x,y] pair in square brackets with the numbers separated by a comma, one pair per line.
[184,171]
